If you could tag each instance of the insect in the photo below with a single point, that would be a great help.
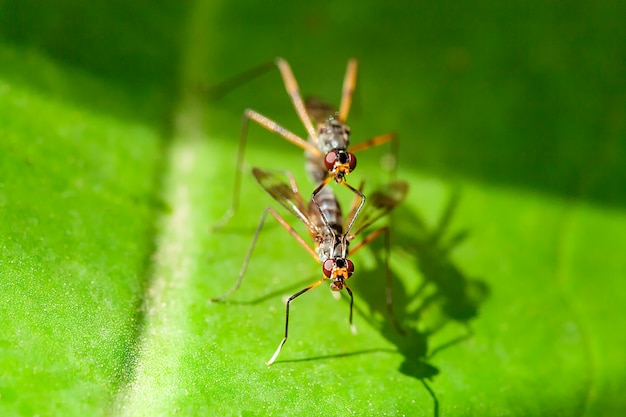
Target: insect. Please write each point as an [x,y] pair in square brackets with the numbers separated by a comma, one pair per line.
[330,241]
[326,148]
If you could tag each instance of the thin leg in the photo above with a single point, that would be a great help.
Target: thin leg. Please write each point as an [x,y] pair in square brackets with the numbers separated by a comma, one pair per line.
[291,86]
[377,141]
[288,79]
[234,205]
[244,267]
[282,342]
[354,212]
[349,81]
[221,89]
[352,326]
[314,194]
[373,142]
[368,239]
[295,190]
[272,127]
[354,206]
[389,287]
[294,234]
[388,277]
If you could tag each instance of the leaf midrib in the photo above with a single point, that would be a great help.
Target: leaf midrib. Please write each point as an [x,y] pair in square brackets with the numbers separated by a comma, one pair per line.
[174,230]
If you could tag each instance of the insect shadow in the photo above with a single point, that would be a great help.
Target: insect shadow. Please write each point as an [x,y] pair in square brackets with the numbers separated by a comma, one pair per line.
[445,295]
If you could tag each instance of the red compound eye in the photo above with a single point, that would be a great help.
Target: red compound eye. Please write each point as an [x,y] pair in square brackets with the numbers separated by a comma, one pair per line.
[327,267]
[329,160]
[351,161]
[350,267]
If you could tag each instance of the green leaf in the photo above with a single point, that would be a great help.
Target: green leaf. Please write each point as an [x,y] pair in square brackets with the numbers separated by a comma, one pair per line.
[77,197]
[506,254]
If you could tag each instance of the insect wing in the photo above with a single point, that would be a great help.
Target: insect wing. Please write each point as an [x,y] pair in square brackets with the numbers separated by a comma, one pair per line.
[319,110]
[377,204]
[286,195]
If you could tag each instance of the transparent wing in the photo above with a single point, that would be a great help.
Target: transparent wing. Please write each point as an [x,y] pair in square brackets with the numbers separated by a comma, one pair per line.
[319,110]
[377,204]
[286,194]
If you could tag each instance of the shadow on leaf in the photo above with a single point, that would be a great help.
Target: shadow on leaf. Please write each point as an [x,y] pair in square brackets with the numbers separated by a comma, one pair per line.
[444,296]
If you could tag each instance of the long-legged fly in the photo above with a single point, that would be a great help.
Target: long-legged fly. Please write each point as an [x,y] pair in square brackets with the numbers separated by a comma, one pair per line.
[327,148]
[331,239]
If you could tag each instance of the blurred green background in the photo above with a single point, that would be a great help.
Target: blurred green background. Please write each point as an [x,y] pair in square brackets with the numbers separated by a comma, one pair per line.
[524,94]
[512,136]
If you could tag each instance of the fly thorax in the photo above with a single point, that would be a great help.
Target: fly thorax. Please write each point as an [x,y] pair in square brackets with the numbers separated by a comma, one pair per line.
[324,251]
[333,135]
[328,243]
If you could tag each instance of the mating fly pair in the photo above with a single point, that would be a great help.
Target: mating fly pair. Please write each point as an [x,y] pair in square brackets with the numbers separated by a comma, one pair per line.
[327,150]
[327,158]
